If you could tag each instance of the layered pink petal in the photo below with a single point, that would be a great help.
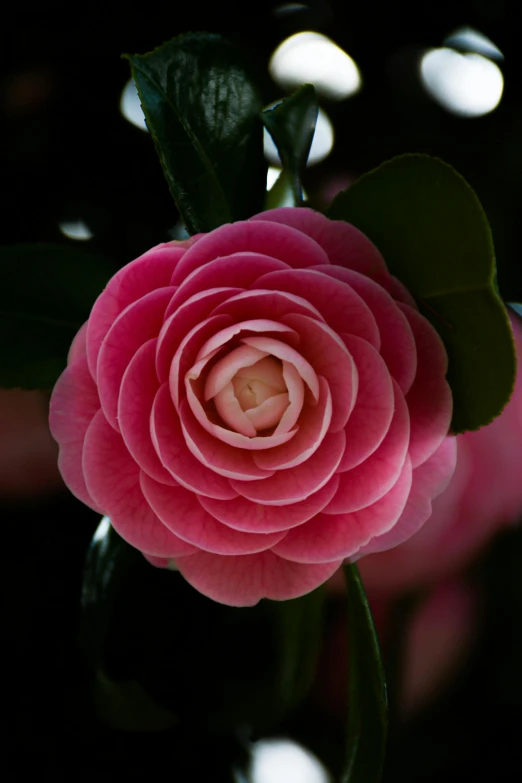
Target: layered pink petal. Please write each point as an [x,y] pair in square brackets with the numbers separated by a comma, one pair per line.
[141,321]
[180,511]
[147,273]
[138,390]
[240,270]
[369,481]
[330,358]
[175,455]
[220,457]
[397,342]
[341,307]
[231,412]
[344,244]
[265,303]
[429,480]
[429,399]
[188,349]
[296,396]
[262,326]
[242,514]
[287,354]
[329,537]
[243,581]
[181,321]
[268,413]
[223,371]
[112,478]
[73,406]
[314,423]
[291,486]
[279,241]
[373,411]
[237,440]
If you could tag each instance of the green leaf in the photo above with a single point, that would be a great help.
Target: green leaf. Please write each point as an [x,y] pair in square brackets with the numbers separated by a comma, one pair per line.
[291,125]
[202,109]
[145,627]
[46,293]
[367,702]
[434,236]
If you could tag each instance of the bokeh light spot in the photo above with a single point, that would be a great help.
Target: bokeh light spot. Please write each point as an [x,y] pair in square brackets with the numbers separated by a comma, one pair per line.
[469,85]
[75,229]
[315,59]
[130,106]
[284,761]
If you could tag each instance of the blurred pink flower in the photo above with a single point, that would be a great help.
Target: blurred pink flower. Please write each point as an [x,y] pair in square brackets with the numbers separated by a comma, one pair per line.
[27,451]
[255,405]
[484,495]
[439,637]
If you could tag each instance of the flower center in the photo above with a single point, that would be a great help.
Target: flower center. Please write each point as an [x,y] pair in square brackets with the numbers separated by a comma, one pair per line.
[263,380]
[250,396]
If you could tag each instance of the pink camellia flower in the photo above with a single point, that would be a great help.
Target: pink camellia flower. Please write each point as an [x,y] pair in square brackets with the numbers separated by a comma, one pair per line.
[257,404]
[484,495]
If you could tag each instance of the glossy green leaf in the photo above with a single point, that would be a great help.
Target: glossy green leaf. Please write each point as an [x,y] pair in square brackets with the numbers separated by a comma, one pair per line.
[291,125]
[434,236]
[367,702]
[202,109]
[46,293]
[157,641]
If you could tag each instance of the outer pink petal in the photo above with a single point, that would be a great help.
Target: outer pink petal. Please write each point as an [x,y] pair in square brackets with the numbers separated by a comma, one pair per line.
[344,244]
[225,460]
[244,580]
[329,357]
[371,417]
[150,271]
[296,484]
[369,481]
[341,307]
[157,562]
[313,426]
[113,480]
[401,294]
[187,351]
[79,344]
[140,322]
[429,480]
[397,342]
[74,403]
[327,537]
[180,511]
[240,270]
[181,321]
[283,243]
[429,399]
[138,390]
[267,304]
[242,514]
[172,449]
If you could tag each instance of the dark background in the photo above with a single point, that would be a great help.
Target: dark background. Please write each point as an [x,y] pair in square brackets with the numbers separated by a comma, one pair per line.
[66,153]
